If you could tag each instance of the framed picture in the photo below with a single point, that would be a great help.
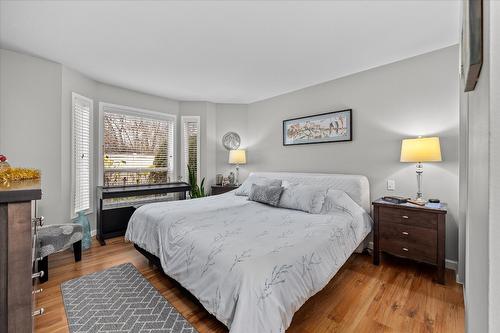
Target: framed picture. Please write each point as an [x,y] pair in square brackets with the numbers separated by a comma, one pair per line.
[472,42]
[320,128]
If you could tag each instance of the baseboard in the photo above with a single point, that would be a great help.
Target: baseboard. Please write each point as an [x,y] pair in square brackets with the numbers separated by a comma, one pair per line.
[451,264]
[448,263]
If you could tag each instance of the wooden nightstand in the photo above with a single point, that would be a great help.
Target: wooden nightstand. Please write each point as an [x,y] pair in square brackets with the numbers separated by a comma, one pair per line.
[410,231]
[219,189]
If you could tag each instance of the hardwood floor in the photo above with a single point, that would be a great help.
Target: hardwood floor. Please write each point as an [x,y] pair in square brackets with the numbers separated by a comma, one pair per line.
[396,296]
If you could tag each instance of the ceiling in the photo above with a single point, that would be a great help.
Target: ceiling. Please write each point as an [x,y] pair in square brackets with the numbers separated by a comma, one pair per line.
[226,51]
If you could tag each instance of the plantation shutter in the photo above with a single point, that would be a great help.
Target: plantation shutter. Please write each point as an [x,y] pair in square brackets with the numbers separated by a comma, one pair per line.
[191,140]
[138,148]
[82,109]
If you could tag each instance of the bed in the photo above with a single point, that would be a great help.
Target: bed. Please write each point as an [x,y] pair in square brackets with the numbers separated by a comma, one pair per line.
[249,264]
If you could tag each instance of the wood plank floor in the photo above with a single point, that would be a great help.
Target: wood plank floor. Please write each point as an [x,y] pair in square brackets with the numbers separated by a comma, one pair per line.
[396,296]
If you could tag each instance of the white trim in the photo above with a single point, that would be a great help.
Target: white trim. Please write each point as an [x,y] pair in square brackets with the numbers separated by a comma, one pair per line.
[91,155]
[183,168]
[128,110]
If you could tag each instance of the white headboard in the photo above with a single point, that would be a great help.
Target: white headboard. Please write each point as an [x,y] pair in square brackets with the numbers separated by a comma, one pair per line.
[356,186]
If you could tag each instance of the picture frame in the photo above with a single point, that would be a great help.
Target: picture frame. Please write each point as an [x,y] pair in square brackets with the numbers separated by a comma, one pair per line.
[472,43]
[333,126]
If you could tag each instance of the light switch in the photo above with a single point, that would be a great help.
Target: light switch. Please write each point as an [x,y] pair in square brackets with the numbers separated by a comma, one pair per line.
[391,184]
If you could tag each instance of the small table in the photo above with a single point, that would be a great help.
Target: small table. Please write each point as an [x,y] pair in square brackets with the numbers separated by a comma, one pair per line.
[219,189]
[410,231]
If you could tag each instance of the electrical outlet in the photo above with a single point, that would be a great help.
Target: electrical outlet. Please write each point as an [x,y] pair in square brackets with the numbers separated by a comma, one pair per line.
[391,184]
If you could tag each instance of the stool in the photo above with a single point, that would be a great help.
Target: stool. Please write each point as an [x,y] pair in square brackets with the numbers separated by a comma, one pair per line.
[55,238]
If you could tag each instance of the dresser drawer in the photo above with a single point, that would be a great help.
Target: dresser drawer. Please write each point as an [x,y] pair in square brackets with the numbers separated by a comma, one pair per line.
[407,217]
[406,249]
[415,235]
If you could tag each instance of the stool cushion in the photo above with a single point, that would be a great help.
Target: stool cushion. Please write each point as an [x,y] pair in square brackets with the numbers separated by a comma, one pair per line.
[57,237]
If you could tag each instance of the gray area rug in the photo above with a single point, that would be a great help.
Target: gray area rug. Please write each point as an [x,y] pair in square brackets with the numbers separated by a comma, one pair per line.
[119,299]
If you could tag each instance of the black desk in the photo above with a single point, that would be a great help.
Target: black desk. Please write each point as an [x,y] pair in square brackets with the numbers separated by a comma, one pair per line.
[112,219]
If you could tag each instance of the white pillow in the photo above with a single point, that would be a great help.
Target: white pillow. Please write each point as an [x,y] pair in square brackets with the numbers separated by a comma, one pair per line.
[339,200]
[244,189]
[308,198]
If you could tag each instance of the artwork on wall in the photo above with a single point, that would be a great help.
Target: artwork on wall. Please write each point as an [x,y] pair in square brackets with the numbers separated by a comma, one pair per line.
[326,127]
[231,141]
[472,42]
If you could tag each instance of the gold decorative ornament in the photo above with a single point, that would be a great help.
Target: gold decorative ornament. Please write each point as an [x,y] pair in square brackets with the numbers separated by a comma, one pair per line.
[10,174]
[17,174]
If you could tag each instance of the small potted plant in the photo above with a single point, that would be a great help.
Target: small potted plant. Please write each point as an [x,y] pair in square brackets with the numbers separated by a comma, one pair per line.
[197,191]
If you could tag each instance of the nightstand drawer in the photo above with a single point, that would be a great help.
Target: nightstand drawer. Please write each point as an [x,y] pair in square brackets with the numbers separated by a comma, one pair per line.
[406,249]
[407,217]
[414,235]
[219,189]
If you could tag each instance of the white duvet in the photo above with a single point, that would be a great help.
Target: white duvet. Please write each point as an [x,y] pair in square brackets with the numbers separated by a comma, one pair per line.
[249,264]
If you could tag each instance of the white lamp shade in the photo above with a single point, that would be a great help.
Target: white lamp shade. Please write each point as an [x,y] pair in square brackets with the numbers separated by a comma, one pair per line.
[421,150]
[237,156]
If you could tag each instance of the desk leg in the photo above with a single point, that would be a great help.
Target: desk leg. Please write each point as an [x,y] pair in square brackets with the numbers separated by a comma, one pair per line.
[99,223]
[101,240]
[182,195]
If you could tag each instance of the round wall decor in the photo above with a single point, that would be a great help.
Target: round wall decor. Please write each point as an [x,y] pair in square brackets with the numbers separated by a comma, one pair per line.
[231,141]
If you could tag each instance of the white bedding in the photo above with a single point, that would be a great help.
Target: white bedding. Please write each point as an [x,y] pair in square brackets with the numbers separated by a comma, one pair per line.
[249,264]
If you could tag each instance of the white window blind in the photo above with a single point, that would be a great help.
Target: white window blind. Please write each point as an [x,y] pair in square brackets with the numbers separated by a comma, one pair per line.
[82,112]
[138,147]
[191,145]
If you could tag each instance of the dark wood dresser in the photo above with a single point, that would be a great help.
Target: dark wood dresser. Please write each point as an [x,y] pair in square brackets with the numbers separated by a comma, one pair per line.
[18,281]
[412,232]
[219,189]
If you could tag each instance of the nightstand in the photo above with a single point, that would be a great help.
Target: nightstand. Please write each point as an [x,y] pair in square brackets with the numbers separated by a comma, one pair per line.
[219,189]
[410,231]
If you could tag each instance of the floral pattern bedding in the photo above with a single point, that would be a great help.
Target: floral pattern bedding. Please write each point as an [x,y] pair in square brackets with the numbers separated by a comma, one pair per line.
[249,264]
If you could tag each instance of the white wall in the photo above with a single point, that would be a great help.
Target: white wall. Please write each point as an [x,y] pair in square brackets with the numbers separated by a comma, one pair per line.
[475,115]
[417,96]
[494,228]
[30,123]
[231,118]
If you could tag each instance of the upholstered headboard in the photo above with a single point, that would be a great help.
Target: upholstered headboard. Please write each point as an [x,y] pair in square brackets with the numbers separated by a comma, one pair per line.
[356,186]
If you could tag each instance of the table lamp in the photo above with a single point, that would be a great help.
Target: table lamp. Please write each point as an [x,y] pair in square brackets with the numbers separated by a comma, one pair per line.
[237,156]
[417,151]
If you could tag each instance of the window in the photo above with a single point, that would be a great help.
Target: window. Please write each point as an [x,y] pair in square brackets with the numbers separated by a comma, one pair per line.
[137,146]
[191,145]
[82,120]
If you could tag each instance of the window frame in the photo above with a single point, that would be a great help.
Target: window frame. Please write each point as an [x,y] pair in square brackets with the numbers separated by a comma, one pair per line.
[128,110]
[73,213]
[185,119]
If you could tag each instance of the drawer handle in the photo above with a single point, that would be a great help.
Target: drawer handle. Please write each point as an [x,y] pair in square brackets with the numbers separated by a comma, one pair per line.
[38,312]
[37,275]
[404,216]
[405,249]
[38,221]
[405,233]
[37,291]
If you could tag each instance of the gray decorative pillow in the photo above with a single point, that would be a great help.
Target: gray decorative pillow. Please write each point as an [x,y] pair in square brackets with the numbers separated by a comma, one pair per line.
[265,194]
[308,198]
[244,189]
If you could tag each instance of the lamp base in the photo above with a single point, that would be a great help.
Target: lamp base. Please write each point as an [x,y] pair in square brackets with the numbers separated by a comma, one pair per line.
[418,201]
